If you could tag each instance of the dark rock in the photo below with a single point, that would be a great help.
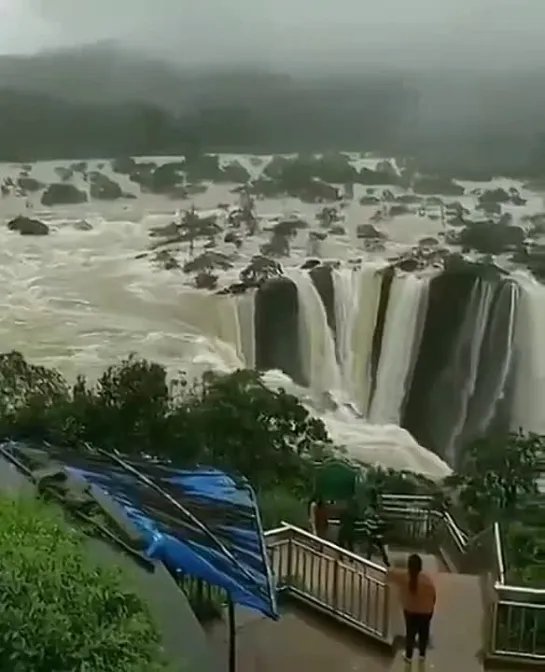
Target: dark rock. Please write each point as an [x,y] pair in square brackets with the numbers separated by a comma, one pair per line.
[124,165]
[333,168]
[166,260]
[104,188]
[234,172]
[323,281]
[79,166]
[369,231]
[28,227]
[82,225]
[259,270]
[491,237]
[396,210]
[65,174]
[62,194]
[289,227]
[368,176]
[317,235]
[428,242]
[206,280]
[490,208]
[437,185]
[327,216]
[208,261]
[277,329]
[232,237]
[408,199]
[310,263]
[494,196]
[369,200]
[516,198]
[164,178]
[278,246]
[237,288]
[387,168]
[29,184]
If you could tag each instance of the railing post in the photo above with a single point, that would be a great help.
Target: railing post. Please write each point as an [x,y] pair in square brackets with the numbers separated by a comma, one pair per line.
[290,560]
[335,589]
[386,614]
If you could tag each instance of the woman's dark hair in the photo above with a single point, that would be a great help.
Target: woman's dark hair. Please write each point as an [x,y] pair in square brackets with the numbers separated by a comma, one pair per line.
[414,567]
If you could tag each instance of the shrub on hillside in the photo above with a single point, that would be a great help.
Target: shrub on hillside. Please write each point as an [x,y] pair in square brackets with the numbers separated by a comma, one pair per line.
[233,422]
[60,611]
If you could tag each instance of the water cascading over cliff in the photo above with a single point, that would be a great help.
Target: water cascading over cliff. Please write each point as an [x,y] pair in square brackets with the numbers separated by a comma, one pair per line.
[447,357]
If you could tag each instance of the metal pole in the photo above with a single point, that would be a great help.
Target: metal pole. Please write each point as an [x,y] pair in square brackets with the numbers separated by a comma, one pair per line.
[232,636]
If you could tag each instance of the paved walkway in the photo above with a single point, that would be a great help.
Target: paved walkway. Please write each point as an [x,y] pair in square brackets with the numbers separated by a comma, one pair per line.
[305,640]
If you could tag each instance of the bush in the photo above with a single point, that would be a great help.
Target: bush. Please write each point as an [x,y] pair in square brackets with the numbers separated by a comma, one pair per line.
[58,610]
[233,422]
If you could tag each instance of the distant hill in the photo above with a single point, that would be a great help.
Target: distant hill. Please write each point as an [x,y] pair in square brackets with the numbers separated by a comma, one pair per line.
[103,100]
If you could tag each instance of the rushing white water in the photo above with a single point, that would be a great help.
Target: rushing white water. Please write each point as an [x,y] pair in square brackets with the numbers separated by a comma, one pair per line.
[467,355]
[487,414]
[357,297]
[529,395]
[401,338]
[81,300]
[317,342]
[246,316]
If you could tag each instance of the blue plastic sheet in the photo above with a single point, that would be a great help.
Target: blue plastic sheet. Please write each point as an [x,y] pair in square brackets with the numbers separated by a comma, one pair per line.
[226,549]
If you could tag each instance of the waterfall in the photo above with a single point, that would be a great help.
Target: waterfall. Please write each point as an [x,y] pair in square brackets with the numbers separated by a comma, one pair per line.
[488,404]
[402,333]
[464,366]
[357,296]
[227,334]
[317,343]
[246,318]
[529,357]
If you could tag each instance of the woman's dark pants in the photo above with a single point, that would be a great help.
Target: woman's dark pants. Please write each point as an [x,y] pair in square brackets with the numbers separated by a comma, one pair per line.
[417,627]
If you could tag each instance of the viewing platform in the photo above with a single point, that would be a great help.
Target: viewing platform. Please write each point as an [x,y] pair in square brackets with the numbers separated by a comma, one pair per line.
[339,612]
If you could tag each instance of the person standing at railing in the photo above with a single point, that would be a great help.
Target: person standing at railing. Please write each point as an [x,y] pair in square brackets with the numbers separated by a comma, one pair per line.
[347,525]
[418,595]
[372,528]
[319,517]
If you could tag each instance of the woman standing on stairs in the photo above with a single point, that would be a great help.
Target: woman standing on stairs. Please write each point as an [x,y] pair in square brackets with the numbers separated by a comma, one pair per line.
[418,596]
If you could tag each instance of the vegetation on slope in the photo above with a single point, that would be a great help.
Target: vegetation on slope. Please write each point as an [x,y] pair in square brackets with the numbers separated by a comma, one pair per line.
[236,423]
[59,610]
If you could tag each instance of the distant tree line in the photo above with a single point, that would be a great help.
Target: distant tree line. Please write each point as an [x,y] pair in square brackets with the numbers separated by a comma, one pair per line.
[372,117]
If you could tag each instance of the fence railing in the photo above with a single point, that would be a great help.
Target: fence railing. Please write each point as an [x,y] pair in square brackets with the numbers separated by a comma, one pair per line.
[346,586]
[354,590]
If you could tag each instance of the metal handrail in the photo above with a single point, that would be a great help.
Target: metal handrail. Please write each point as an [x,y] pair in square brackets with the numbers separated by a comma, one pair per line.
[346,586]
[510,608]
[332,547]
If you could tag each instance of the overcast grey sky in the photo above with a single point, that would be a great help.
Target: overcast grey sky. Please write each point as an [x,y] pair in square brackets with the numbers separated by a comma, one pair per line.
[279,32]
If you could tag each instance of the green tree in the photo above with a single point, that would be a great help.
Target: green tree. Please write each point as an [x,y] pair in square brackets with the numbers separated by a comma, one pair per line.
[230,421]
[497,475]
[60,611]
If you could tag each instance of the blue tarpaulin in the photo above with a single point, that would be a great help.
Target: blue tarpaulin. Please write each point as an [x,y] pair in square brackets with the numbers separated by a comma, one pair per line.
[214,532]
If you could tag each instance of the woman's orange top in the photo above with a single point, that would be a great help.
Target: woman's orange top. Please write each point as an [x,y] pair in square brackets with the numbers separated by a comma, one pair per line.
[422,601]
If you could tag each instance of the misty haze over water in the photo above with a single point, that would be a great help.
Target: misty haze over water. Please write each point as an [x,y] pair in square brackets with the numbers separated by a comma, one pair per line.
[347,34]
